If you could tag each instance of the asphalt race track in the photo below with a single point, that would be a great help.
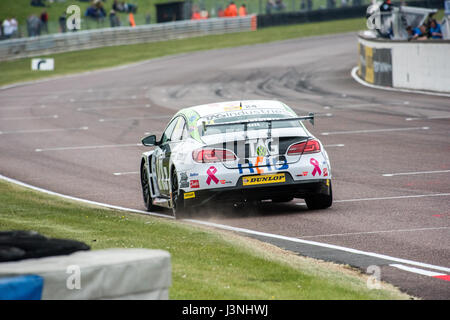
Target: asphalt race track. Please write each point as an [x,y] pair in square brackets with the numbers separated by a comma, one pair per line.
[78,135]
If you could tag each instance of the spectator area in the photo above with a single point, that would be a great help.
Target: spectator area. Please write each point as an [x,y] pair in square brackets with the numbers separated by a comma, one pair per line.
[22,9]
[144,11]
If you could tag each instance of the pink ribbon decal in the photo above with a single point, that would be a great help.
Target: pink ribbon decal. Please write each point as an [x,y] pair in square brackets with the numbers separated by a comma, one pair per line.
[315,163]
[210,172]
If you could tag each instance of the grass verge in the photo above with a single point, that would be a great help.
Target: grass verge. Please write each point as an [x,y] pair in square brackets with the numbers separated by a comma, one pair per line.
[86,60]
[206,264]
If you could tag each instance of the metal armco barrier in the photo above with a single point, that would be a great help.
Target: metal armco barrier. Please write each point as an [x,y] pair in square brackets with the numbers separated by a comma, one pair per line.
[80,40]
[418,65]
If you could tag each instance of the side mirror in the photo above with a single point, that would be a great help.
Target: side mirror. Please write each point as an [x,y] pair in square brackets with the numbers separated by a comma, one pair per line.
[149,141]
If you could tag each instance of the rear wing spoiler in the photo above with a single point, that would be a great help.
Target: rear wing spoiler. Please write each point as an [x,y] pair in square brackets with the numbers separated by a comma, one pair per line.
[309,117]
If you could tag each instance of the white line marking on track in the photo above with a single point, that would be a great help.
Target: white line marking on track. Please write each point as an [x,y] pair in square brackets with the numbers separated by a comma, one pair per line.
[396,197]
[334,145]
[319,244]
[89,147]
[23,107]
[54,116]
[420,271]
[153,132]
[43,130]
[375,130]
[242,230]
[387,198]
[369,104]
[114,107]
[428,118]
[373,232]
[357,105]
[413,173]
[125,173]
[133,118]
[319,115]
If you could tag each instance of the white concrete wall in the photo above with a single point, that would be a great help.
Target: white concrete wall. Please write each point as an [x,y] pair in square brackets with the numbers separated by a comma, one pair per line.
[424,66]
[420,65]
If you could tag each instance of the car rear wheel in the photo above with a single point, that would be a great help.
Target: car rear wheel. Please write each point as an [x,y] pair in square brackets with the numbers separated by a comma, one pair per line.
[178,208]
[320,201]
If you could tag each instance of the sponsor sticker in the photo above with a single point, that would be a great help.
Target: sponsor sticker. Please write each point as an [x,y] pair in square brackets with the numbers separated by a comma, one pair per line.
[232,108]
[303,174]
[194,184]
[244,112]
[263,179]
[189,195]
[315,163]
[261,151]
[277,164]
[211,172]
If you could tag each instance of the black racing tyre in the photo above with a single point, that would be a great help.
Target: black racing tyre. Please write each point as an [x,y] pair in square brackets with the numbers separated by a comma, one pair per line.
[145,183]
[320,201]
[178,208]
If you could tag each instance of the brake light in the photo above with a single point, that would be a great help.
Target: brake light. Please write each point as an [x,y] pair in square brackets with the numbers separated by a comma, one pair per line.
[310,146]
[212,155]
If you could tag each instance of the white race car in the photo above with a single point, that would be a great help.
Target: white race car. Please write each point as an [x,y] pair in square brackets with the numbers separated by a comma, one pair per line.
[235,152]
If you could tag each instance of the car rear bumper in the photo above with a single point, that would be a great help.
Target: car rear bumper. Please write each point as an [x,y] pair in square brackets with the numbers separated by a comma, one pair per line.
[240,193]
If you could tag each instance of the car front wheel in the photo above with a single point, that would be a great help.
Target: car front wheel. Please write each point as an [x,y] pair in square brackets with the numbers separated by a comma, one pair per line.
[148,201]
